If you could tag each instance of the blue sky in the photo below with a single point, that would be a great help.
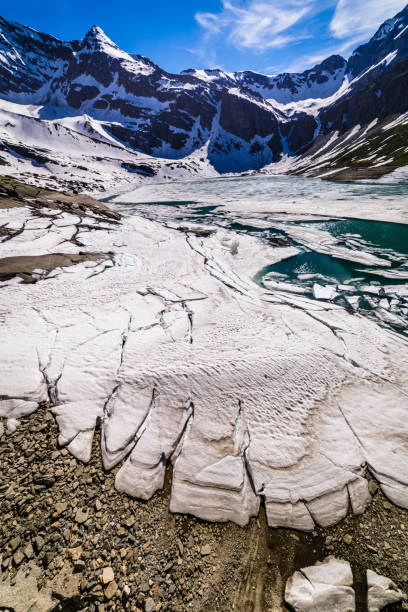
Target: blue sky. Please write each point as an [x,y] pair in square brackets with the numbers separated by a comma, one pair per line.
[269,36]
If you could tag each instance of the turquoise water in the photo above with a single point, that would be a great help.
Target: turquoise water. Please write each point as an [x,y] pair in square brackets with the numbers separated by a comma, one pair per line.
[209,201]
[387,240]
[384,235]
[331,269]
[310,262]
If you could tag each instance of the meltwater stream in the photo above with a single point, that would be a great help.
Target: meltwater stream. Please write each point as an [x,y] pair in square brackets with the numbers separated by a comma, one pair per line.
[359,263]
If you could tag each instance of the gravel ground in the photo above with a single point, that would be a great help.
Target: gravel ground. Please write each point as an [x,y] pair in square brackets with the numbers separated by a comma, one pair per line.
[90,548]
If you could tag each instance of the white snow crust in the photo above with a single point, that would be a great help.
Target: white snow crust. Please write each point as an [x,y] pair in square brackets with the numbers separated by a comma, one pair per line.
[172,349]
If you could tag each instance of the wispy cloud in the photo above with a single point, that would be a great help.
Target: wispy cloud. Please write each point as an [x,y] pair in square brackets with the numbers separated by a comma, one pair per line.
[359,19]
[330,26]
[257,25]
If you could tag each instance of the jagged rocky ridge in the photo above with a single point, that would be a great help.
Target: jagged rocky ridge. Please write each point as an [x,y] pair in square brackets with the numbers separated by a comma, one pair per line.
[121,108]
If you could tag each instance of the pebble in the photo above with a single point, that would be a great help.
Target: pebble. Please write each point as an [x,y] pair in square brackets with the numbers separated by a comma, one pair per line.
[75,553]
[60,507]
[79,565]
[111,590]
[81,517]
[107,575]
[205,550]
[372,487]
[150,605]
[180,547]
[38,543]
[348,539]
[18,557]
[28,551]
[15,543]
[129,522]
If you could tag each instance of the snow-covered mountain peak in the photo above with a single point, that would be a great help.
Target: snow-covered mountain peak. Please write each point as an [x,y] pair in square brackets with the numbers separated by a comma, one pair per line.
[97,41]
[245,119]
[96,32]
[96,38]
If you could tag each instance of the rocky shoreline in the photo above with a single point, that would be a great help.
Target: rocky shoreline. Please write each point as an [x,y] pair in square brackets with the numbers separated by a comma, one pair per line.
[63,523]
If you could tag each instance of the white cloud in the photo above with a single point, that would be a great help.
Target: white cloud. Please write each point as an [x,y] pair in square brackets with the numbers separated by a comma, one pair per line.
[358,19]
[210,21]
[331,27]
[257,25]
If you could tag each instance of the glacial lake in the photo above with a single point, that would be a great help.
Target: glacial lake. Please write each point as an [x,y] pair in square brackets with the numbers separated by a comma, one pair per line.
[317,217]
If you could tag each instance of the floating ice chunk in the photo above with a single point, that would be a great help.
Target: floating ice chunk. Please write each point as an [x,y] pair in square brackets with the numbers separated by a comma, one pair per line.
[346,288]
[368,303]
[398,274]
[307,276]
[373,289]
[279,286]
[399,290]
[324,293]
[354,301]
[391,318]
[384,303]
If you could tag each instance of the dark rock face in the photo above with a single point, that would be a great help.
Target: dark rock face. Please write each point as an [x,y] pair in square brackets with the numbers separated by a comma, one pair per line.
[171,115]
[239,118]
[379,99]
[300,132]
[32,59]
[391,37]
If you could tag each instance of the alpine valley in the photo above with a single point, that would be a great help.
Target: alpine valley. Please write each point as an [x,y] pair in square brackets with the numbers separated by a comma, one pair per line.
[84,114]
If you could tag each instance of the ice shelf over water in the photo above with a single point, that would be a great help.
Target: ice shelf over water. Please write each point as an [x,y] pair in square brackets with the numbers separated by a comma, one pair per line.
[170,347]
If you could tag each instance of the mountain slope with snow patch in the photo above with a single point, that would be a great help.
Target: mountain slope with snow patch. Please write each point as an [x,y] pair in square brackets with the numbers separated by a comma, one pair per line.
[92,104]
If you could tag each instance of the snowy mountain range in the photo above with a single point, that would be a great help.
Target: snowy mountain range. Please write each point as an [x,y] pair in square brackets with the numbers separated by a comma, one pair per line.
[86,115]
